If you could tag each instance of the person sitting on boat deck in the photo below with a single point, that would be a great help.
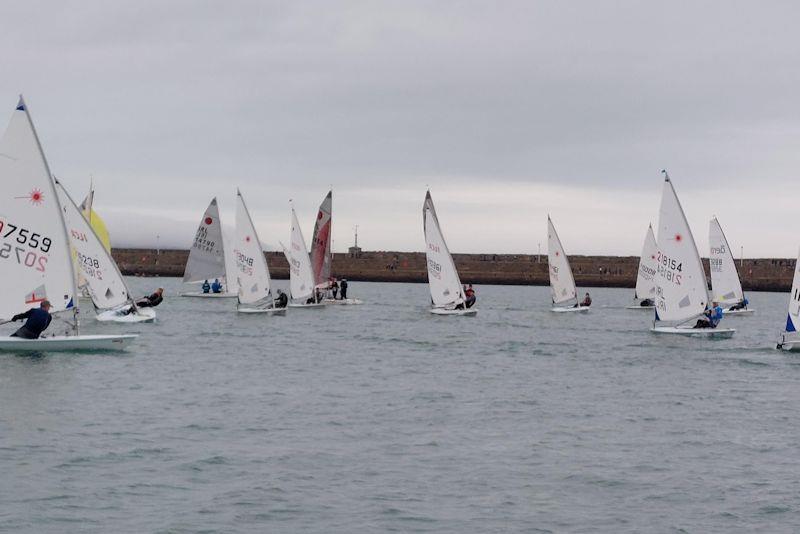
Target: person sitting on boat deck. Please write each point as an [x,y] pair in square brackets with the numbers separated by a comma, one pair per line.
[586,302]
[741,305]
[470,294]
[646,302]
[281,301]
[206,287]
[343,289]
[216,287]
[38,319]
[334,285]
[711,317]
[151,301]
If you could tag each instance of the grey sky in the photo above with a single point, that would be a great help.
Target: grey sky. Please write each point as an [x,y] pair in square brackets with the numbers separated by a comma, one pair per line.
[508,110]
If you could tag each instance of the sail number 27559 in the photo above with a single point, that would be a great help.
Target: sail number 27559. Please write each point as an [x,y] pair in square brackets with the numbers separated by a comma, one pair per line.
[669,268]
[33,254]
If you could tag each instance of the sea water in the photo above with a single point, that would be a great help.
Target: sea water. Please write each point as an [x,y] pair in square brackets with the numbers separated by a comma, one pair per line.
[383,417]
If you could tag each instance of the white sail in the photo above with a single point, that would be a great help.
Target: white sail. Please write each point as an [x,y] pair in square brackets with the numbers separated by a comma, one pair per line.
[230,281]
[645,279]
[681,288]
[98,270]
[562,284]
[321,241]
[207,255]
[301,277]
[793,318]
[443,281]
[251,265]
[725,285]
[35,259]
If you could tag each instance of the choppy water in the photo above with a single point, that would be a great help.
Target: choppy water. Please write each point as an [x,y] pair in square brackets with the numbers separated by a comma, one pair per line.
[384,418]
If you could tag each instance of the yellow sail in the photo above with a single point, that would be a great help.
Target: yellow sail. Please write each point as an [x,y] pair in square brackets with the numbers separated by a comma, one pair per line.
[99,227]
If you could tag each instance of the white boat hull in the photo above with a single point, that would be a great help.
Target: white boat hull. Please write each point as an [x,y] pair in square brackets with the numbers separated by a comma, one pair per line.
[789,341]
[695,332]
[66,343]
[746,311]
[202,295]
[143,315]
[639,307]
[469,312]
[312,305]
[269,311]
[567,309]
[344,302]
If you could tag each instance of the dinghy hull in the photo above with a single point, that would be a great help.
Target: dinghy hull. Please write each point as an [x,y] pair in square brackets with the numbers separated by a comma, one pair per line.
[639,307]
[469,312]
[314,305]
[344,302]
[789,346]
[268,311]
[748,311]
[209,295]
[567,309]
[66,343]
[143,315]
[719,333]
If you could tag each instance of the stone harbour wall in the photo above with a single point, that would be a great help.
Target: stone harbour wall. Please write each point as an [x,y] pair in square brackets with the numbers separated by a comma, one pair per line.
[762,274]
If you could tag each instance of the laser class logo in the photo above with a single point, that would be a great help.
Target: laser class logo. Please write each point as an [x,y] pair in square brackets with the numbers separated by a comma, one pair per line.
[35,197]
[208,220]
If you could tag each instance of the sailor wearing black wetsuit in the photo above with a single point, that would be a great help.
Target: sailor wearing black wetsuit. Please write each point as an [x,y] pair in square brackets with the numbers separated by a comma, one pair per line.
[38,319]
[152,301]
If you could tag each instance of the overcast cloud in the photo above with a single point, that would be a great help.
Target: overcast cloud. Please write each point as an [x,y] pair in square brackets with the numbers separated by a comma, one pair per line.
[507,110]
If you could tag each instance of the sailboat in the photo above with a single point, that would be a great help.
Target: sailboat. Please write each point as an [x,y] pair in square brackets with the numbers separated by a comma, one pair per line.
[790,339]
[207,256]
[681,287]
[255,284]
[645,278]
[562,283]
[725,284]
[447,293]
[35,258]
[99,272]
[321,256]
[303,290]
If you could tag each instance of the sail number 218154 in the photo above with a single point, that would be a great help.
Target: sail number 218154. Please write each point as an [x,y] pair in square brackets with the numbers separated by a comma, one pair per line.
[669,268]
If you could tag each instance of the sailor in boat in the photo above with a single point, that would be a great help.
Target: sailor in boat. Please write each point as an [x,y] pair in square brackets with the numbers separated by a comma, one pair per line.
[469,293]
[216,287]
[334,285]
[282,300]
[586,302]
[741,305]
[343,289]
[153,300]
[711,317]
[647,302]
[38,319]
[315,297]
[206,287]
